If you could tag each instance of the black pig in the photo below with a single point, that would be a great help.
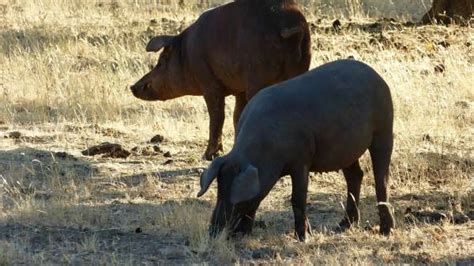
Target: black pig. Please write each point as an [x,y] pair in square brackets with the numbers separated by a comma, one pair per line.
[321,121]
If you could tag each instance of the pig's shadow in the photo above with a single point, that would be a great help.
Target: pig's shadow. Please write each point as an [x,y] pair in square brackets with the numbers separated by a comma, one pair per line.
[325,210]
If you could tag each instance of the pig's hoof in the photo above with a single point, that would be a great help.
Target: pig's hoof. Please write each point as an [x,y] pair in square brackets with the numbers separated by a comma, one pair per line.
[302,238]
[302,235]
[386,231]
[343,226]
[387,226]
[210,155]
[387,222]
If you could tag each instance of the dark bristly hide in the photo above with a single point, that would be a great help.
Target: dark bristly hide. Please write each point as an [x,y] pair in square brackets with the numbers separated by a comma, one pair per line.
[323,120]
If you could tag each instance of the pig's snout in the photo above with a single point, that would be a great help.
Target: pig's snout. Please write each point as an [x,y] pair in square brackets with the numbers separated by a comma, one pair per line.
[137,89]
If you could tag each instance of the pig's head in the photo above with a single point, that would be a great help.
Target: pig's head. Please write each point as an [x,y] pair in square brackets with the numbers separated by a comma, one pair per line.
[166,80]
[238,188]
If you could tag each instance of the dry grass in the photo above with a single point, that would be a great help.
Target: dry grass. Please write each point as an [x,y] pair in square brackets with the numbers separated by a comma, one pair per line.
[65,67]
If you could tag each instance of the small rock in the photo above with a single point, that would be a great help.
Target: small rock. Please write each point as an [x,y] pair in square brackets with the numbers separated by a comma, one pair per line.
[14,134]
[462,104]
[153,22]
[157,139]
[138,230]
[168,162]
[336,25]
[460,218]
[440,68]
[427,138]
[444,44]
[167,154]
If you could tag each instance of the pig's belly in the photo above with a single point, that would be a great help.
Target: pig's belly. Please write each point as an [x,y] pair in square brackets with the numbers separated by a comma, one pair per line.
[338,154]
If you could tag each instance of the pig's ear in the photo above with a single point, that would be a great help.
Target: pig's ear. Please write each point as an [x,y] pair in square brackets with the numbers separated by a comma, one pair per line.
[158,42]
[245,186]
[210,174]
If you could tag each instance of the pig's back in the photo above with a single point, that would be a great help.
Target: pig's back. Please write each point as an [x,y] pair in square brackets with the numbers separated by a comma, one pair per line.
[330,112]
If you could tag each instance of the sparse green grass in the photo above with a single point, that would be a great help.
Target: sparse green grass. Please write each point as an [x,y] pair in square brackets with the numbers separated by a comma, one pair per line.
[65,69]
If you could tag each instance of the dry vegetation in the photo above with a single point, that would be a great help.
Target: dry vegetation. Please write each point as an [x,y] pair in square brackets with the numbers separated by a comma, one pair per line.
[65,67]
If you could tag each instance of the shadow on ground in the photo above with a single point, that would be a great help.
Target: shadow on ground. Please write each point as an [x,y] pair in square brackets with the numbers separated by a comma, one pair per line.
[39,174]
[103,234]
[34,165]
[160,233]
[169,176]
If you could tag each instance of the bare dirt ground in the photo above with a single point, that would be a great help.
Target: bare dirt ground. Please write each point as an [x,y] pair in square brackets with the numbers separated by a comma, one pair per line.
[65,68]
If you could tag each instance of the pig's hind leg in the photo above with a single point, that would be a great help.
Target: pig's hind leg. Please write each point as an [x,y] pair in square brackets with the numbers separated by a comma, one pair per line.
[380,152]
[353,175]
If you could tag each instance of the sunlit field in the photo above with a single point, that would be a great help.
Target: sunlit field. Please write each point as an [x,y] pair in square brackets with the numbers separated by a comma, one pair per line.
[65,71]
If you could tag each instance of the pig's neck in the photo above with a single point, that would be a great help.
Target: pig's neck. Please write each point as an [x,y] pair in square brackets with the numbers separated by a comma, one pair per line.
[189,84]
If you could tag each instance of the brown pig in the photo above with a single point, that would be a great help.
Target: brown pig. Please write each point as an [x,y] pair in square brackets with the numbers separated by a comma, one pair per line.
[234,49]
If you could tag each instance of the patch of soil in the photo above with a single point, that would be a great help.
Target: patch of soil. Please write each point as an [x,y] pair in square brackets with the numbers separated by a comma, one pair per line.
[105,131]
[264,253]
[434,216]
[114,244]
[17,136]
[28,171]
[109,150]
[438,161]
